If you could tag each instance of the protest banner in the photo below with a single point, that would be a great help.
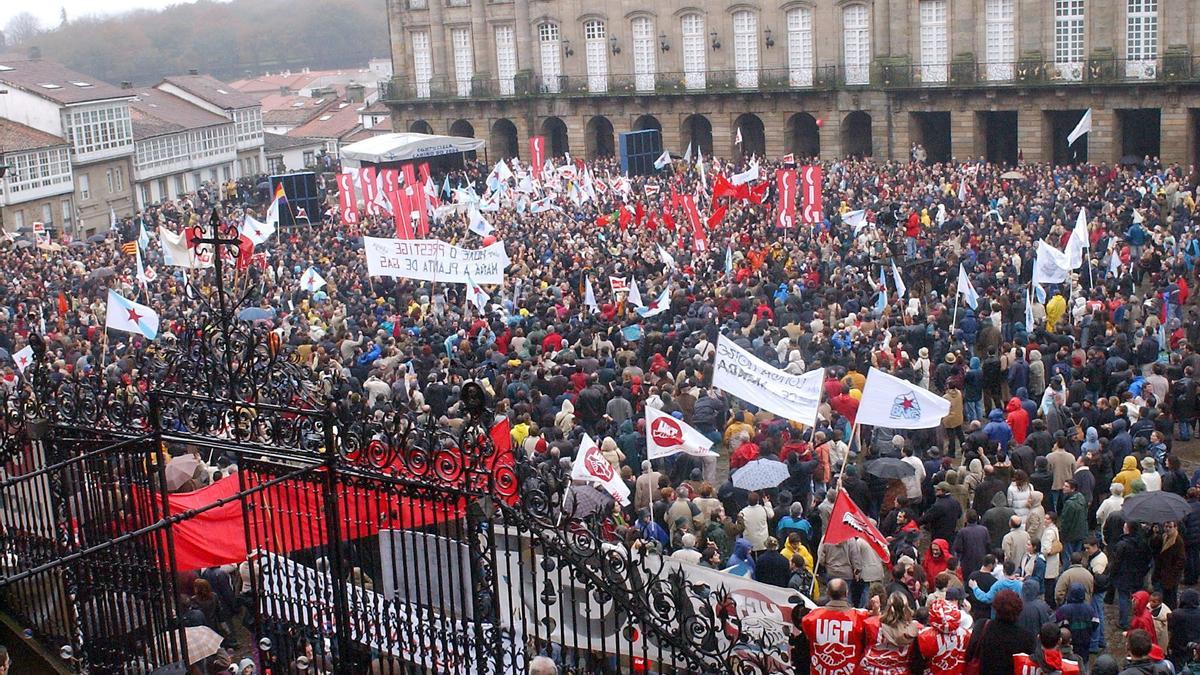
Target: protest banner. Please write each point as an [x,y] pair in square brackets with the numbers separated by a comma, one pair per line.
[434,260]
[744,375]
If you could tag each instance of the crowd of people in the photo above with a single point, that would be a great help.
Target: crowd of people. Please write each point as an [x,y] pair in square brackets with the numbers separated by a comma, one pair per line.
[1008,539]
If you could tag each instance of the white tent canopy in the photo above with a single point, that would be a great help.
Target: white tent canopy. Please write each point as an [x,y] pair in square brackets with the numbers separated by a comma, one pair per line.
[407,146]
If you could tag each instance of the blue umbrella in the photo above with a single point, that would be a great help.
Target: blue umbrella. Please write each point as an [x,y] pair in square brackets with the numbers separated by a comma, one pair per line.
[257,314]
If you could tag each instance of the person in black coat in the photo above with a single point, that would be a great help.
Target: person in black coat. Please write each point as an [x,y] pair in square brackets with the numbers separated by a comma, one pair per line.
[972,543]
[1129,561]
[770,567]
[1184,626]
[941,518]
[855,487]
[995,641]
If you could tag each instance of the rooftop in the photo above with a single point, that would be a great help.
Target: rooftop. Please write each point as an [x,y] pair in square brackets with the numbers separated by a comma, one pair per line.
[155,112]
[336,122]
[271,84]
[54,81]
[279,143]
[212,90]
[16,137]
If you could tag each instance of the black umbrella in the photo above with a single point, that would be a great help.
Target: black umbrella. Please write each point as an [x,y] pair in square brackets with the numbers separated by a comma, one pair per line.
[101,273]
[1131,160]
[890,468]
[1155,507]
[582,501]
[23,243]
[97,238]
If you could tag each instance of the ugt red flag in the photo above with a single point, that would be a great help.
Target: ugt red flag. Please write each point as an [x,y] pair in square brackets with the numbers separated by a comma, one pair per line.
[537,154]
[785,203]
[813,176]
[346,204]
[847,521]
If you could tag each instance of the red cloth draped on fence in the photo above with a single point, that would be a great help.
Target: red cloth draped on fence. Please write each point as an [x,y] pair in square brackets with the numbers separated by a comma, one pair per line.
[290,515]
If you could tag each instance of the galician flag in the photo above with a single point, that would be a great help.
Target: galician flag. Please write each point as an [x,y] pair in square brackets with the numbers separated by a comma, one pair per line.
[667,436]
[590,465]
[888,401]
[663,160]
[130,317]
[258,232]
[23,358]
[635,296]
[901,289]
[659,305]
[311,281]
[476,294]
[966,289]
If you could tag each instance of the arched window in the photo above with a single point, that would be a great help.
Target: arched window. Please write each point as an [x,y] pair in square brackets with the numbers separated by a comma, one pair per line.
[745,48]
[551,46]
[935,51]
[695,54]
[1141,39]
[644,56]
[856,44]
[596,41]
[800,47]
[1000,35]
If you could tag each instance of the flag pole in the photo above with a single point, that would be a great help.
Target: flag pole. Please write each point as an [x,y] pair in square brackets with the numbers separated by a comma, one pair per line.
[954,321]
[825,529]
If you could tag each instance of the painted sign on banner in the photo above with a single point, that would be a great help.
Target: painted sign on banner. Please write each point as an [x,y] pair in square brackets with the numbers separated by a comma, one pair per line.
[366,182]
[579,621]
[347,207]
[785,187]
[415,634]
[810,189]
[795,397]
[537,154]
[434,260]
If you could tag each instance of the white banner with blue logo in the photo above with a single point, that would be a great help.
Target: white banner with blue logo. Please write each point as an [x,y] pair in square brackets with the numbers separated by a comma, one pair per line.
[888,401]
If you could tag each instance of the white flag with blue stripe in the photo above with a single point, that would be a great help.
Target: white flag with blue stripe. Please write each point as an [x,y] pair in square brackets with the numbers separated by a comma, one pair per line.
[128,316]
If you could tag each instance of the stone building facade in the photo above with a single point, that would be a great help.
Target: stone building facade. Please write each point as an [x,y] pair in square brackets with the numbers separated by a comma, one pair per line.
[1004,79]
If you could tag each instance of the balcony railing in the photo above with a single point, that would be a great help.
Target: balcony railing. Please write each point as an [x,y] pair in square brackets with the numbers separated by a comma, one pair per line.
[821,78]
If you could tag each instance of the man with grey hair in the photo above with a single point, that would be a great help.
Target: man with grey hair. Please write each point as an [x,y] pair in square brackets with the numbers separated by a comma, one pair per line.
[542,665]
[1015,541]
[1110,505]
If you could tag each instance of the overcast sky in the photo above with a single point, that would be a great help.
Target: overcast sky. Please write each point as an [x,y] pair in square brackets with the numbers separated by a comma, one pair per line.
[48,10]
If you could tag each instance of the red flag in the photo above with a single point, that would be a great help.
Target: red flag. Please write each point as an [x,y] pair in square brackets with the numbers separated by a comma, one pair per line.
[847,521]
[652,221]
[674,199]
[669,220]
[410,174]
[347,206]
[390,180]
[424,171]
[758,192]
[722,188]
[402,211]
[366,180]
[625,218]
[602,220]
[716,217]
[785,202]
[537,154]
[811,189]
[63,305]
[699,241]
[640,213]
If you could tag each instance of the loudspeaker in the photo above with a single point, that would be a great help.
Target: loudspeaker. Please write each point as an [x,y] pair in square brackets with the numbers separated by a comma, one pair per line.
[638,150]
[304,198]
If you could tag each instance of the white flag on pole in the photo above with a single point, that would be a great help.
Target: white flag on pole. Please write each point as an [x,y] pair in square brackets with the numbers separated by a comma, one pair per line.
[1084,126]
[657,306]
[127,315]
[663,160]
[738,137]
[1078,241]
[888,401]
[256,231]
[901,289]
[477,223]
[966,289]
[1029,308]
[590,465]
[589,297]
[1050,266]
[687,156]
[746,176]
[24,359]
[635,296]
[856,219]
[311,281]
[666,436]
[476,294]
[667,258]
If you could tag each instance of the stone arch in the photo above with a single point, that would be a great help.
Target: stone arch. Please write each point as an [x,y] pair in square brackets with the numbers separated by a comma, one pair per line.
[464,129]
[802,136]
[420,127]
[646,122]
[555,131]
[754,137]
[696,131]
[856,134]
[598,138]
[502,141]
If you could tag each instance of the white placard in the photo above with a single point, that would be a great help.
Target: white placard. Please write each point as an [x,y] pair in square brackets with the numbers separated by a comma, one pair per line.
[434,260]
[795,397]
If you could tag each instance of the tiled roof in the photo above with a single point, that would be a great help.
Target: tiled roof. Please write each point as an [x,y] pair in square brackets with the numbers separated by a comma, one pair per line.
[212,90]
[279,143]
[16,137]
[54,81]
[156,112]
[340,120]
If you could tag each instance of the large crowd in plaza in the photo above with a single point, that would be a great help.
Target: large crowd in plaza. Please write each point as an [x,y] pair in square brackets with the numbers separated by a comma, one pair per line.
[1008,537]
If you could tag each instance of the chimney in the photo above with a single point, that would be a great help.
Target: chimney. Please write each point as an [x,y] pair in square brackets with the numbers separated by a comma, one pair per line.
[126,84]
[355,92]
[193,71]
[285,90]
[35,53]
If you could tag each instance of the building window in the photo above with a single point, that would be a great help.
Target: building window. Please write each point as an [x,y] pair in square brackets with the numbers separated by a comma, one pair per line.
[418,4]
[40,169]
[227,173]
[99,129]
[144,191]
[47,214]
[108,176]
[1068,39]
[310,157]
[935,52]
[1141,39]
[180,185]
[551,48]
[695,54]
[1001,38]
[249,124]
[119,179]
[422,63]
[67,210]
[596,40]
[856,43]
[644,53]
[745,48]
[464,60]
[800,47]
[85,188]
[506,60]
[162,189]
[19,219]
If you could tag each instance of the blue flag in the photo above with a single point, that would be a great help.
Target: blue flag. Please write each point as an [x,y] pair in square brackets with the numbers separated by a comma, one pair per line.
[632,333]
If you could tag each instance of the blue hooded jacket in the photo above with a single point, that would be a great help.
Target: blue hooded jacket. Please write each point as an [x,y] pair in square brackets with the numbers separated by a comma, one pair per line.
[997,429]
[1077,615]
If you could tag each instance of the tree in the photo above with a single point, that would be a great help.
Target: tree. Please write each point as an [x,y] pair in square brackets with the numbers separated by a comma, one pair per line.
[22,28]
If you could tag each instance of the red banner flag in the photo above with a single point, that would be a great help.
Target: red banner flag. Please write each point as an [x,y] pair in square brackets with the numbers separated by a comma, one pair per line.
[785,203]
[624,218]
[716,217]
[403,215]
[347,206]
[389,179]
[847,521]
[366,180]
[537,154]
[699,240]
[423,169]
[669,220]
[420,203]
[812,194]
[410,175]
[723,188]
